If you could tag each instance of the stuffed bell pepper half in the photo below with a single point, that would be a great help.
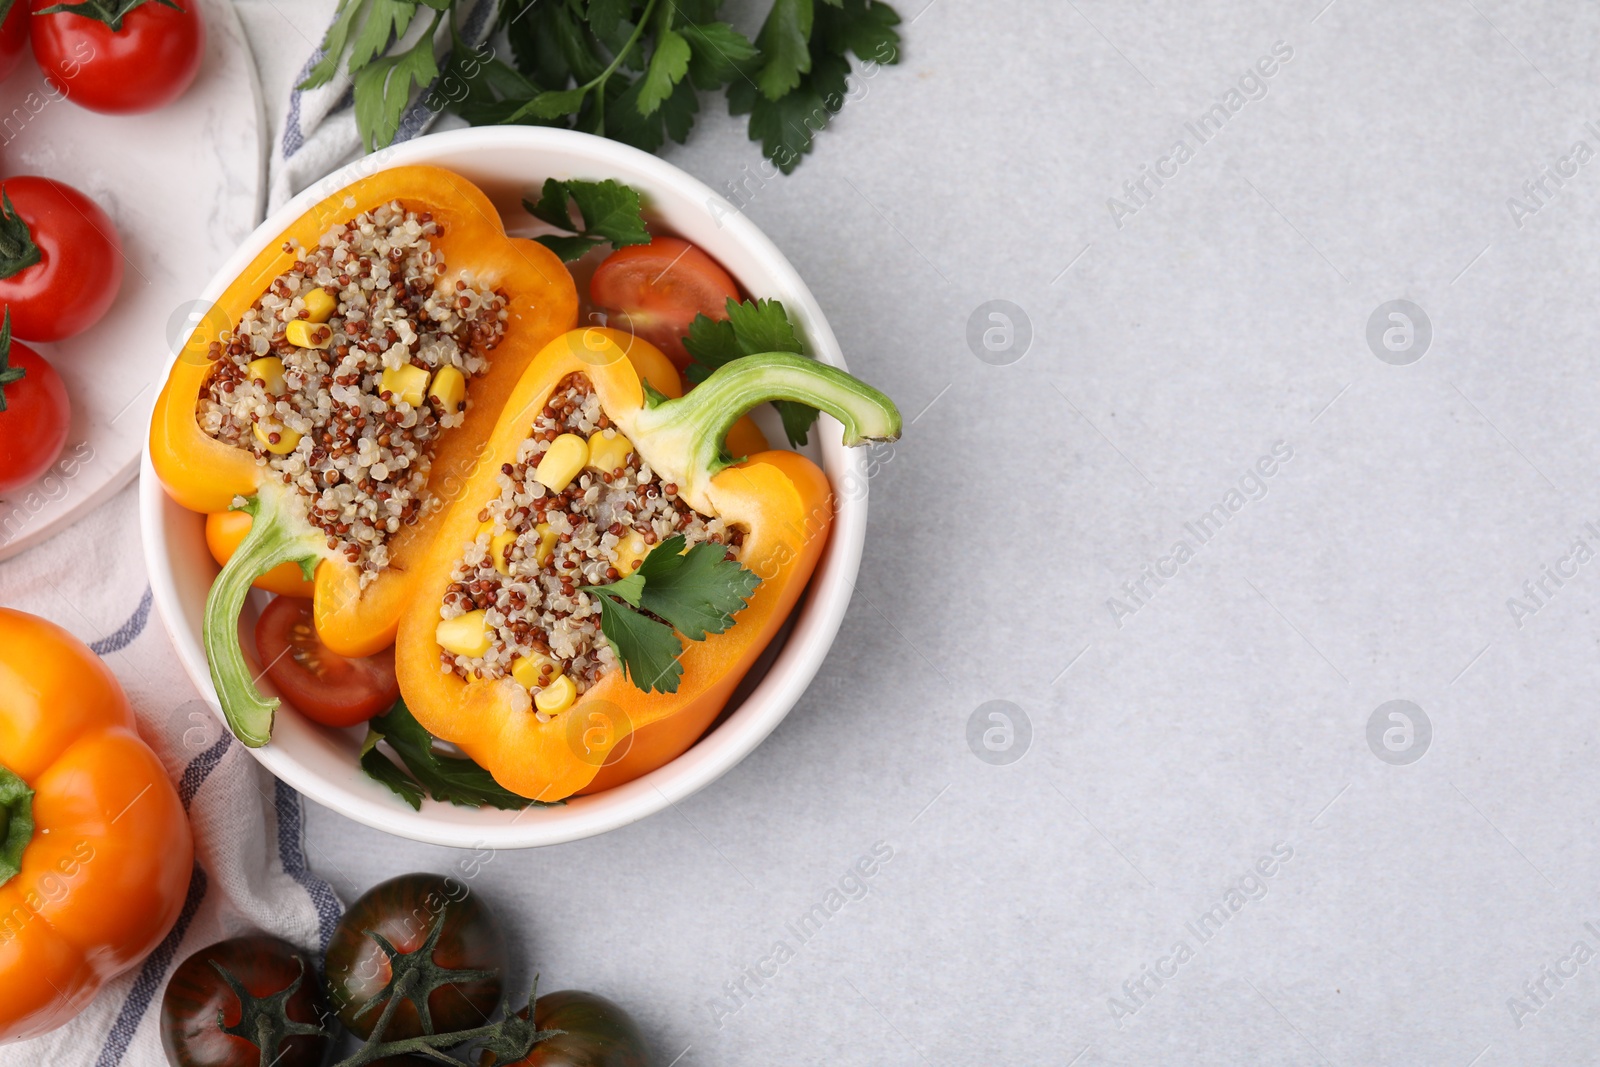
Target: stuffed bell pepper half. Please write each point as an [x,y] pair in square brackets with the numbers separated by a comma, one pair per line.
[609,574]
[340,391]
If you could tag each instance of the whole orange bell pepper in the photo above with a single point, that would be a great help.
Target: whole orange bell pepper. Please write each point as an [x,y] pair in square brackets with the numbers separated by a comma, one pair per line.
[95,850]
[615,731]
[207,475]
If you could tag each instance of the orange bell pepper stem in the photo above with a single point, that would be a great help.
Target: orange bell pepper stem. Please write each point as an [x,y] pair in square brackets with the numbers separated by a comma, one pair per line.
[616,732]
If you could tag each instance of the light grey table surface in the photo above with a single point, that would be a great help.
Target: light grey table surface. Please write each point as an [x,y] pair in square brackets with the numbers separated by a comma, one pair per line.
[1177,742]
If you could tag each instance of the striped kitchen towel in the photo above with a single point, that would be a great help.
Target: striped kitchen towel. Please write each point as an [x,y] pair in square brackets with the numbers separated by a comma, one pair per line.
[250,864]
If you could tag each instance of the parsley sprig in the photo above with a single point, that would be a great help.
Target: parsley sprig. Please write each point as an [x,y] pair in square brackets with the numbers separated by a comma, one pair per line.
[749,329]
[631,70]
[696,592]
[428,772]
[609,213]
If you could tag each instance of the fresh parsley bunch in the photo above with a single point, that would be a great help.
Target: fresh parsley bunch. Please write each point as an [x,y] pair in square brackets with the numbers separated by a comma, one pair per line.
[626,69]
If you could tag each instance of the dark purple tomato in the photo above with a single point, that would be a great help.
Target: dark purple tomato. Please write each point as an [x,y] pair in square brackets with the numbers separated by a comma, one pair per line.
[263,966]
[596,1032]
[404,911]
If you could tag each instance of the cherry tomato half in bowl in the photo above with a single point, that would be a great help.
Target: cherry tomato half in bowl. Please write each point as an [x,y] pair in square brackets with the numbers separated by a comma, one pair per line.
[34,415]
[115,60]
[60,258]
[325,686]
[656,290]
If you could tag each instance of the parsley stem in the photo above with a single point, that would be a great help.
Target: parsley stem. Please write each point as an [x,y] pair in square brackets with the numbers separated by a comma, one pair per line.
[616,61]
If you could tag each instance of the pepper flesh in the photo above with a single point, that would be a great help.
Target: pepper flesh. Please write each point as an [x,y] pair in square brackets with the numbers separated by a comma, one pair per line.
[96,836]
[615,732]
[207,475]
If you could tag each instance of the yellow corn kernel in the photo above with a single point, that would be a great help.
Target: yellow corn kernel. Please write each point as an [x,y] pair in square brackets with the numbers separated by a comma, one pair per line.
[464,635]
[557,696]
[404,383]
[499,544]
[527,670]
[449,388]
[547,544]
[303,333]
[608,453]
[269,371]
[562,462]
[320,304]
[286,438]
[631,551]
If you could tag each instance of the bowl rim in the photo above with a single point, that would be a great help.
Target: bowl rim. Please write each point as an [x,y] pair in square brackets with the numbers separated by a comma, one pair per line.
[816,619]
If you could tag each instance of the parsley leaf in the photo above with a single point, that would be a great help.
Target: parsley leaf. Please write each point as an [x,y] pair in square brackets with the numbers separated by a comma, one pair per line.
[785,49]
[668,64]
[697,592]
[718,52]
[450,779]
[648,649]
[749,329]
[610,214]
[383,87]
[383,769]
[386,20]
[607,17]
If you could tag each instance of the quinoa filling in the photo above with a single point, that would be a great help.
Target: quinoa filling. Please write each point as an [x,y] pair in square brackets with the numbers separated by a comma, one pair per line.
[342,377]
[536,547]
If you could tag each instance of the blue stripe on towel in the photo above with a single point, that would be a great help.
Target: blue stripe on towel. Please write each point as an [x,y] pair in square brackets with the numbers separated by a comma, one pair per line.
[128,631]
[292,854]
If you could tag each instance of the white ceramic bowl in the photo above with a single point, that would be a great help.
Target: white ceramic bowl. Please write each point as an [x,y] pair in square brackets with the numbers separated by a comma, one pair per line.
[321,763]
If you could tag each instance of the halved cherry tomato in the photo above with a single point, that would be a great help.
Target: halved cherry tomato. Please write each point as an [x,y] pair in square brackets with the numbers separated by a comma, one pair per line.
[325,686]
[224,531]
[657,289]
[60,259]
[120,66]
[33,426]
[13,37]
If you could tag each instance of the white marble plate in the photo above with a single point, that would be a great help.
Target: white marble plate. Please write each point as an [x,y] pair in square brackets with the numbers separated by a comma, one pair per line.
[184,186]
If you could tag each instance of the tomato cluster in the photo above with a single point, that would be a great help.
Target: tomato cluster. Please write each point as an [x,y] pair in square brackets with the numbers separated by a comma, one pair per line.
[413,967]
[60,256]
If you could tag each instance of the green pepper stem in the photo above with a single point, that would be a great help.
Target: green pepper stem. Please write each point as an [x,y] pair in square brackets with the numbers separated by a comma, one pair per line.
[684,436]
[276,536]
[16,822]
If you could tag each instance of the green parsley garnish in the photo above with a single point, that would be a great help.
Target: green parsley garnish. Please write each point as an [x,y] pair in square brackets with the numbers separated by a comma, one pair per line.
[750,328]
[695,592]
[609,213]
[450,779]
[631,70]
